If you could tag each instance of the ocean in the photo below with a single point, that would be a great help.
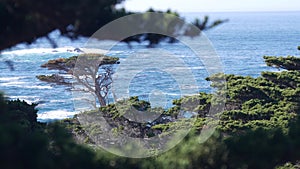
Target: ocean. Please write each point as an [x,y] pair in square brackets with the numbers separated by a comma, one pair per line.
[240,44]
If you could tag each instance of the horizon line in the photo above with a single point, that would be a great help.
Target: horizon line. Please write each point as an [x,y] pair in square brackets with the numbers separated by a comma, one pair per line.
[219,11]
[239,11]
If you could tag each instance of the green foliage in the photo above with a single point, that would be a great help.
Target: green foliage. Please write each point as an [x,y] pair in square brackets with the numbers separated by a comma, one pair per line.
[284,79]
[190,154]
[259,127]
[257,149]
[25,143]
[54,78]
[288,166]
[22,143]
[67,64]
[126,107]
[289,62]
[270,101]
[199,103]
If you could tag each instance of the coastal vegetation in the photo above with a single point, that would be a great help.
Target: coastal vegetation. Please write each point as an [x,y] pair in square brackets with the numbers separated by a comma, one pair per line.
[259,128]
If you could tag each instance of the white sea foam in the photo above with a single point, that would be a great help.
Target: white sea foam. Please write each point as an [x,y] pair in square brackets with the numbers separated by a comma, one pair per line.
[21,85]
[12,81]
[91,50]
[53,50]
[28,99]
[10,78]
[57,101]
[55,114]
[15,97]
[38,87]
[40,50]
[15,84]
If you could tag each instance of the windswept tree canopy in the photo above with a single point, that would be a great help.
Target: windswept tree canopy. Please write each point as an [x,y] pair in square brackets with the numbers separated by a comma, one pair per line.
[24,21]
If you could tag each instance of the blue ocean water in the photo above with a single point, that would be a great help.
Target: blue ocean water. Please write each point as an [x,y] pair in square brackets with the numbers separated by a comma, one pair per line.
[240,43]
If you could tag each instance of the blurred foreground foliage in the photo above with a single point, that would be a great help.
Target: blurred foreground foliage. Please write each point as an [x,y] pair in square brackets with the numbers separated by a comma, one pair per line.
[259,128]
[25,21]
